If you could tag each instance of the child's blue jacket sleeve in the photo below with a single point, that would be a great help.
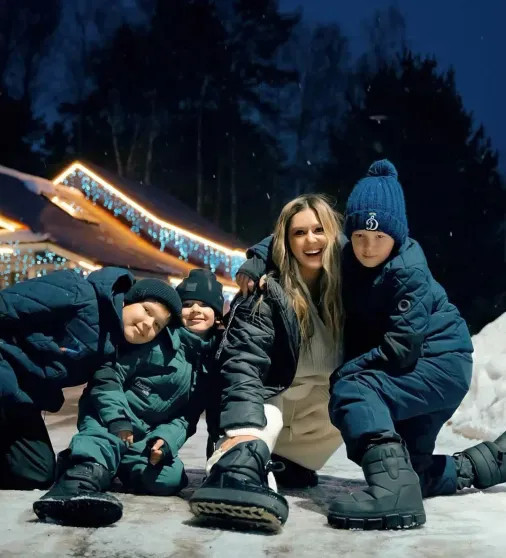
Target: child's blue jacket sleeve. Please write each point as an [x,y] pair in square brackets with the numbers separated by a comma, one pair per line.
[408,321]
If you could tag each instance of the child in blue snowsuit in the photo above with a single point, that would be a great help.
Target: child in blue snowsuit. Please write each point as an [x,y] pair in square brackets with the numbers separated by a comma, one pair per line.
[407,366]
[137,413]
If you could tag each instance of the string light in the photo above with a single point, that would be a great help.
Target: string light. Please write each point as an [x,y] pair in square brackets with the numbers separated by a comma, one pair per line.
[67,207]
[18,263]
[188,246]
[88,266]
[10,225]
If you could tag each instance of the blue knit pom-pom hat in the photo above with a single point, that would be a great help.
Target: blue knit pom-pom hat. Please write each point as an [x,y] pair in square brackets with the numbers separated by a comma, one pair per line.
[376,203]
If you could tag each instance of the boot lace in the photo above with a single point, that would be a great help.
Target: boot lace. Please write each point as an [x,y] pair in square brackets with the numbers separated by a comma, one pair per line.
[275,466]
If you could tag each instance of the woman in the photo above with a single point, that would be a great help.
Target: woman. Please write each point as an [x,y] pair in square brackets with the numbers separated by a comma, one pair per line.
[276,357]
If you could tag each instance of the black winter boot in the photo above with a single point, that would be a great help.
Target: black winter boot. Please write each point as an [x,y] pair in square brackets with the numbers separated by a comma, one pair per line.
[236,493]
[77,498]
[294,475]
[393,499]
[488,461]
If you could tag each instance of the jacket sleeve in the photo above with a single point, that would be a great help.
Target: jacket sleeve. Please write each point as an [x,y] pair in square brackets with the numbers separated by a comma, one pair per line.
[262,249]
[42,299]
[259,260]
[177,431]
[244,358]
[108,397]
[407,324]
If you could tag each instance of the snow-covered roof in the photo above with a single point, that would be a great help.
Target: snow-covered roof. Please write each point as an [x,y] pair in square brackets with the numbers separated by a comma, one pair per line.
[99,237]
[32,183]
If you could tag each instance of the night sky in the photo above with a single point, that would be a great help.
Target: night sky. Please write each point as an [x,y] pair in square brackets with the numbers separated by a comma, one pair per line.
[467,34]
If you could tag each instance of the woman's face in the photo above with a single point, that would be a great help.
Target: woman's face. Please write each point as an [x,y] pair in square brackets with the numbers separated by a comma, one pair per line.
[143,321]
[307,241]
[197,316]
[371,248]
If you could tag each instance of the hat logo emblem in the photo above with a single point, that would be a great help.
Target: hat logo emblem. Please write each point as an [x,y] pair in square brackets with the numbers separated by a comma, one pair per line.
[371,223]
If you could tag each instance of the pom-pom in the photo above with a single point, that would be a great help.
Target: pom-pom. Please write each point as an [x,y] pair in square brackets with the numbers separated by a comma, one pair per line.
[382,168]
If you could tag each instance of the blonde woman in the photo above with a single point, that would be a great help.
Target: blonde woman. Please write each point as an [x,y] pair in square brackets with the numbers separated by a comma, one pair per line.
[281,345]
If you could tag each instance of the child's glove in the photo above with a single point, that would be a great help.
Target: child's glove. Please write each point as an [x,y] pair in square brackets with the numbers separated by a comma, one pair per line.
[157,452]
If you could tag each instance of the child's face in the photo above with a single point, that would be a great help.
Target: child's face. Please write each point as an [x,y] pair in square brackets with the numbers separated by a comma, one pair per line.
[307,241]
[143,321]
[371,248]
[197,316]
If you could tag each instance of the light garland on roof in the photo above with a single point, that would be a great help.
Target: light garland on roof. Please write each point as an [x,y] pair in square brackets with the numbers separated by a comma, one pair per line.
[17,264]
[10,225]
[188,246]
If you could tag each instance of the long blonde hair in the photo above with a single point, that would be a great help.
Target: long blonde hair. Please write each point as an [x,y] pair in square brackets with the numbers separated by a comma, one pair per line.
[290,278]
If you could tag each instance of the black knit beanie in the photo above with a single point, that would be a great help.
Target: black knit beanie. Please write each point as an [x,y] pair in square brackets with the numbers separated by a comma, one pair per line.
[155,289]
[202,285]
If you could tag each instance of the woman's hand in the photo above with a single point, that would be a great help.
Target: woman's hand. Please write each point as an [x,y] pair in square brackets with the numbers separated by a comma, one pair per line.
[156,452]
[246,285]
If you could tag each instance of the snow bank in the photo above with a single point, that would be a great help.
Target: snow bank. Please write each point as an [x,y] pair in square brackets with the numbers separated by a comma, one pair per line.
[482,413]
[35,184]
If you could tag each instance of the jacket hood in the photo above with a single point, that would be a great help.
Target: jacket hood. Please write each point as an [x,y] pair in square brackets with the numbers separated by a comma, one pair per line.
[111,284]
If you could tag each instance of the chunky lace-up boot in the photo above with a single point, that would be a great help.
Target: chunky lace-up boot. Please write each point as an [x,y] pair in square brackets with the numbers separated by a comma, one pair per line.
[237,494]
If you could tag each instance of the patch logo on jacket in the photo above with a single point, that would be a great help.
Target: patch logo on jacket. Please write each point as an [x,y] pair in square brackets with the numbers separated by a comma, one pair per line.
[142,387]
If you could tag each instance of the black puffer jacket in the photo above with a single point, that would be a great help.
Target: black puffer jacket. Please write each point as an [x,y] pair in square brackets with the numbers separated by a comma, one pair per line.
[258,355]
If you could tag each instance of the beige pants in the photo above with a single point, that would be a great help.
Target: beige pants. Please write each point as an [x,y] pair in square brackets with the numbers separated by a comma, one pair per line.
[307,436]
[298,430]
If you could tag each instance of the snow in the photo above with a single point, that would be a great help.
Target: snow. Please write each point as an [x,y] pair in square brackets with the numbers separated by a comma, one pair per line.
[35,184]
[482,413]
[468,524]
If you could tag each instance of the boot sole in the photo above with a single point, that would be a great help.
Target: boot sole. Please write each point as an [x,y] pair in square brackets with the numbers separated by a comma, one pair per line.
[236,508]
[390,521]
[80,511]
[241,517]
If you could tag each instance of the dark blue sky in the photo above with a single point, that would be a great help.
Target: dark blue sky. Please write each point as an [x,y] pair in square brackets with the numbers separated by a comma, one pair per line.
[468,34]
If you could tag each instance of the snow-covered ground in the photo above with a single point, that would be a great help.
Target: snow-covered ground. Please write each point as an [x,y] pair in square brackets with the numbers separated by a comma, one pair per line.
[467,525]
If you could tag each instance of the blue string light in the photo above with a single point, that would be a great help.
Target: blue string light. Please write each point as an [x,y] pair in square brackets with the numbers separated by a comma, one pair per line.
[166,239]
[20,265]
